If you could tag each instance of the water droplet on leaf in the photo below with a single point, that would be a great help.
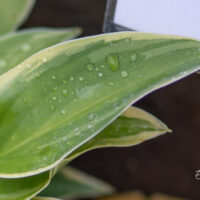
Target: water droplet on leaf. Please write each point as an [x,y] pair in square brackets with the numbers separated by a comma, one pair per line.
[52,107]
[64,81]
[124,74]
[55,89]
[2,63]
[90,67]
[100,74]
[54,98]
[71,78]
[91,116]
[133,57]
[26,47]
[28,65]
[89,126]
[53,77]
[63,112]
[65,92]
[44,60]
[81,78]
[113,62]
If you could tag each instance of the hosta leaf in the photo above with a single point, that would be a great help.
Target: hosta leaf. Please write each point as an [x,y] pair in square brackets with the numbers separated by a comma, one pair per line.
[133,127]
[16,47]
[60,98]
[13,13]
[70,183]
[24,188]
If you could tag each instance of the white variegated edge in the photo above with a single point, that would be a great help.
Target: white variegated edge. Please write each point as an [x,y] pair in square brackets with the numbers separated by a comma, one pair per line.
[72,44]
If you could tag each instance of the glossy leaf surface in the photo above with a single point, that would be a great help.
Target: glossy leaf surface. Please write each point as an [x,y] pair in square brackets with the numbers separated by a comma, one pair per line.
[13,13]
[60,98]
[16,47]
[24,188]
[133,127]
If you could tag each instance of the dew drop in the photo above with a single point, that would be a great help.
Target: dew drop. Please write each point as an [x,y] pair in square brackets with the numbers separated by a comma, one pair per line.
[28,65]
[91,116]
[111,83]
[26,47]
[53,77]
[52,107]
[102,66]
[63,111]
[65,92]
[71,78]
[113,62]
[100,74]
[2,63]
[81,78]
[55,89]
[90,67]
[133,57]
[44,60]
[76,129]
[90,126]
[54,98]
[124,74]
[64,81]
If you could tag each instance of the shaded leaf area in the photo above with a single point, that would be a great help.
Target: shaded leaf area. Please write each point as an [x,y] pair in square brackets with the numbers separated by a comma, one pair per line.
[16,47]
[46,113]
[70,183]
[13,13]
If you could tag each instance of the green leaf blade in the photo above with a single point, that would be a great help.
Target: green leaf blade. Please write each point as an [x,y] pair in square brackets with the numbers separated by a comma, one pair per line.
[16,47]
[133,127]
[24,188]
[13,13]
[48,125]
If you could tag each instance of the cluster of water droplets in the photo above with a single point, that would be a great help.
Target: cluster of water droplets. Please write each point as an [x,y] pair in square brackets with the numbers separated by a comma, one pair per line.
[111,65]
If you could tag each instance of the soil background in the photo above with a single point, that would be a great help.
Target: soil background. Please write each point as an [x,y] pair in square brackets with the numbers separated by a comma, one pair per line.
[166,164]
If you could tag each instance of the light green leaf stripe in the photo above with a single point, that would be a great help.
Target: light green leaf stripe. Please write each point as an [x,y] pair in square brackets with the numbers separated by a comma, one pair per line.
[16,47]
[71,183]
[60,98]
[13,13]
[134,126]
